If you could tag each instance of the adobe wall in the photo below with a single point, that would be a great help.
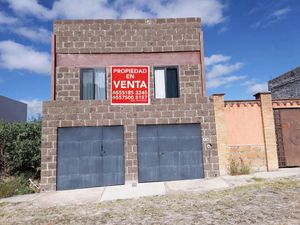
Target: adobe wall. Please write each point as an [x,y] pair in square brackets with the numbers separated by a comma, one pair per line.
[247,133]
[245,137]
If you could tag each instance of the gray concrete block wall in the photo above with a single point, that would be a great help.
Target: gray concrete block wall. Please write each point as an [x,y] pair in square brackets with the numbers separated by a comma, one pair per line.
[286,86]
[12,110]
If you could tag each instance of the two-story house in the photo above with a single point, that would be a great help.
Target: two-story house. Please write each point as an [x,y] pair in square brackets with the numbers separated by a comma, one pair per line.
[88,142]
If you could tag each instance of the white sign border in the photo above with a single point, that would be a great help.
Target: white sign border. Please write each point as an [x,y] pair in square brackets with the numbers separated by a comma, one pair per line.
[130,104]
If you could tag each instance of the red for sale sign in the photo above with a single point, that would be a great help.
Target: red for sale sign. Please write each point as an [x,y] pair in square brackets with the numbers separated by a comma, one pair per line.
[130,85]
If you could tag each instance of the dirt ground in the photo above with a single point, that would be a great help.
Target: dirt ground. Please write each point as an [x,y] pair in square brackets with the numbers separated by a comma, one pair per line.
[276,202]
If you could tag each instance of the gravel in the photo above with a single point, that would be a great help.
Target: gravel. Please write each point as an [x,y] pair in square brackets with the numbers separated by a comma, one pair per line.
[264,202]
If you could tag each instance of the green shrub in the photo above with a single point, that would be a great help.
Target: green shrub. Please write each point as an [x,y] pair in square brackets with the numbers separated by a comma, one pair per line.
[20,148]
[14,186]
[238,168]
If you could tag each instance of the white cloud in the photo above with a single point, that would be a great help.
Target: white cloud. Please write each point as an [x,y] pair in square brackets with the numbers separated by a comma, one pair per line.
[220,81]
[134,13]
[34,108]
[78,9]
[17,56]
[280,12]
[7,20]
[217,58]
[218,70]
[35,34]
[272,17]
[31,7]
[220,74]
[211,11]
[257,87]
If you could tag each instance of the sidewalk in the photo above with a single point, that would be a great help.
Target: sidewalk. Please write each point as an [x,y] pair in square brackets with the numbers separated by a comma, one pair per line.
[94,195]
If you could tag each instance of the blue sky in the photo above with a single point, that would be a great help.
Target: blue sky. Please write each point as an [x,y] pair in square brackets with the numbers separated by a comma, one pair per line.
[246,42]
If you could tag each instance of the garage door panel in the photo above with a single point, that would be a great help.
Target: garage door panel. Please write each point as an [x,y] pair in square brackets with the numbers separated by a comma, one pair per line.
[113,132]
[113,147]
[168,173]
[190,172]
[67,134]
[113,141]
[169,158]
[85,154]
[112,178]
[178,151]
[113,164]
[179,130]
[77,134]
[190,158]
[90,165]
[70,149]
[147,131]
[149,144]
[68,182]
[90,180]
[192,142]
[90,148]
[90,133]
[67,166]
[168,144]
[148,174]
[149,159]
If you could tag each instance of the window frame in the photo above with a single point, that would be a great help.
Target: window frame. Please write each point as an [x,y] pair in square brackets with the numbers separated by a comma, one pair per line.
[165,75]
[94,92]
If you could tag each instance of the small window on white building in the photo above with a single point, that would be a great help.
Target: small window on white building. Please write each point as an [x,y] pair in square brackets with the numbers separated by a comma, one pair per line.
[92,84]
[166,82]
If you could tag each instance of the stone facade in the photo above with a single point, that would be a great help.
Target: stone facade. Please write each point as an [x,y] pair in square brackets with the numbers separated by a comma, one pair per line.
[286,86]
[269,130]
[116,36]
[253,156]
[221,131]
[130,37]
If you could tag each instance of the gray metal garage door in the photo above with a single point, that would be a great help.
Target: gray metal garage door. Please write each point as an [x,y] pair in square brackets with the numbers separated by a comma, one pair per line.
[90,157]
[169,152]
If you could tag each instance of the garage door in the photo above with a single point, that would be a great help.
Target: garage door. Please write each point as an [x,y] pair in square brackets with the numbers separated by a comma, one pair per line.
[90,157]
[169,152]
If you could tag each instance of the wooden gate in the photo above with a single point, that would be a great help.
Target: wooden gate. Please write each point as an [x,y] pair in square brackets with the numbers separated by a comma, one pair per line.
[287,123]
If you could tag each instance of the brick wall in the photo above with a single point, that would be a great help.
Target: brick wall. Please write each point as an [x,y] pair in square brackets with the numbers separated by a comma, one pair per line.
[142,35]
[286,86]
[131,36]
[99,113]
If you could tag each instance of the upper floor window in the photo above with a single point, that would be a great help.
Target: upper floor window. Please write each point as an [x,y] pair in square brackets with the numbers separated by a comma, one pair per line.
[166,82]
[93,84]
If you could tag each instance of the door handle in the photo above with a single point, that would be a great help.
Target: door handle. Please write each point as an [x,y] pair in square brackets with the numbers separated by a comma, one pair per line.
[102,152]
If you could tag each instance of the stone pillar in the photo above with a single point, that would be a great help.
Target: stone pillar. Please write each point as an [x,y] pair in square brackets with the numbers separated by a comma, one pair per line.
[219,109]
[269,129]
